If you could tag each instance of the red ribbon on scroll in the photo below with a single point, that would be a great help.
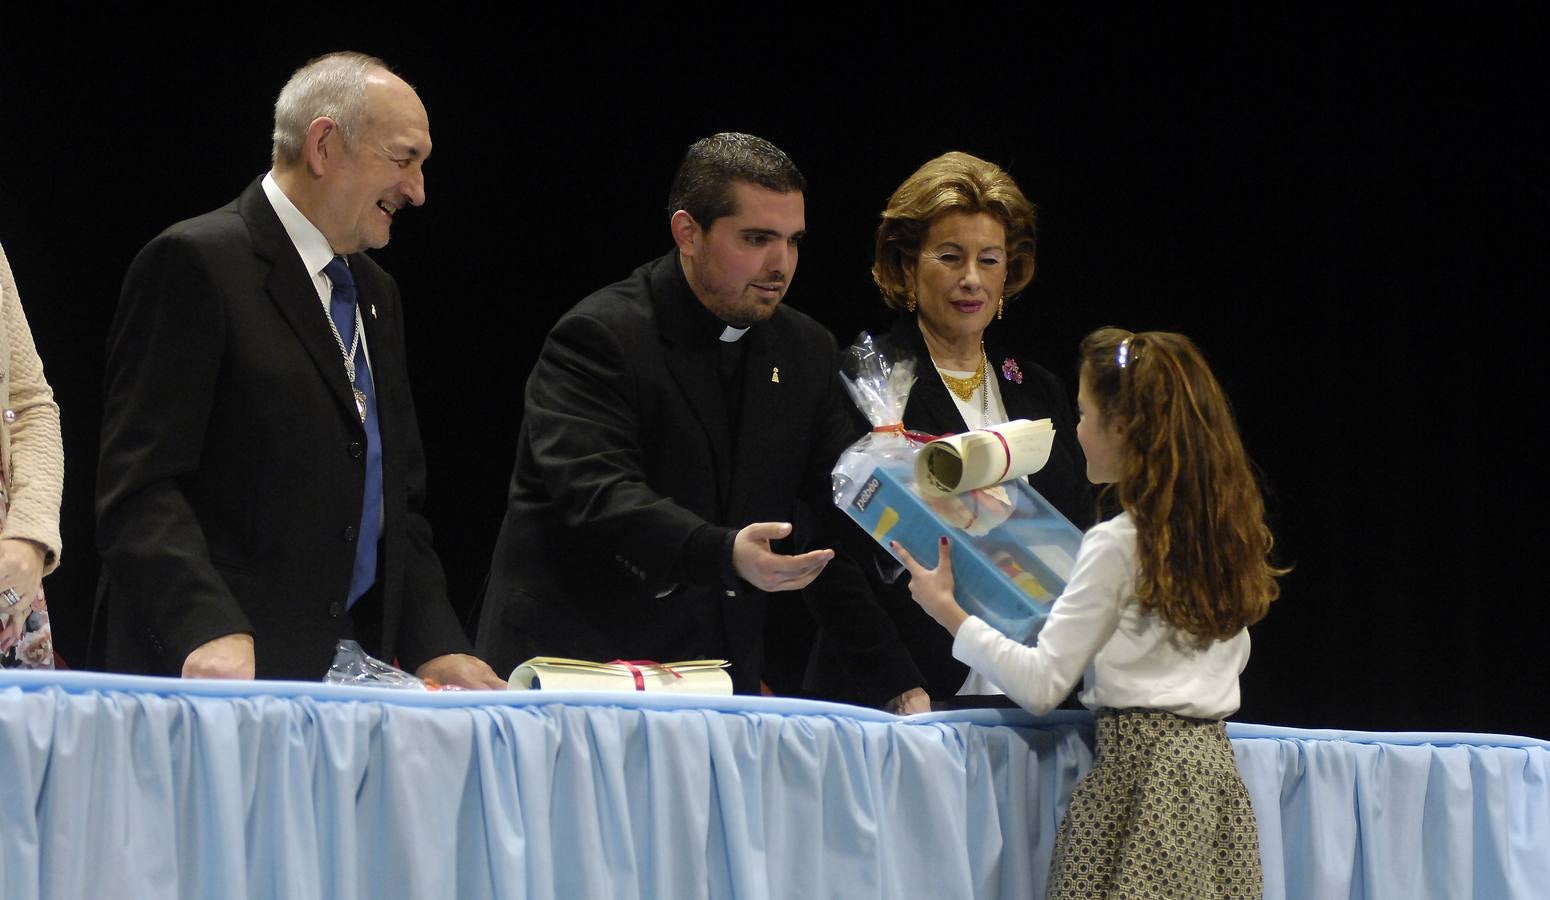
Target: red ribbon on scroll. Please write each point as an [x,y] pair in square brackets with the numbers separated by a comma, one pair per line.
[1007,449]
[919,437]
[634,666]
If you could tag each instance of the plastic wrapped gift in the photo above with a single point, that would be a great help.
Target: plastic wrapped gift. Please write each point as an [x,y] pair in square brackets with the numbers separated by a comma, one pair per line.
[1012,550]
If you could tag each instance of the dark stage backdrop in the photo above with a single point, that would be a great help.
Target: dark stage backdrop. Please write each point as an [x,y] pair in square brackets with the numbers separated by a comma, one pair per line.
[1339,211]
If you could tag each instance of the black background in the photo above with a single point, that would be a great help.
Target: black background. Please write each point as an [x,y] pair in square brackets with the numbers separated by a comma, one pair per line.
[1340,211]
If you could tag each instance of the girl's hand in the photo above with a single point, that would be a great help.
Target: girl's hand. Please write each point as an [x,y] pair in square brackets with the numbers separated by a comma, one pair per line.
[933,588]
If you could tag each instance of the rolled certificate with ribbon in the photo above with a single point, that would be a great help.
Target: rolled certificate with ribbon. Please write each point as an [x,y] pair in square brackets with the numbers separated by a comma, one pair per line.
[699,676]
[983,457]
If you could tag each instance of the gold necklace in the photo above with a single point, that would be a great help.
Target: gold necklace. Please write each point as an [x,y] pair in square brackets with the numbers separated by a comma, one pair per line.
[964,387]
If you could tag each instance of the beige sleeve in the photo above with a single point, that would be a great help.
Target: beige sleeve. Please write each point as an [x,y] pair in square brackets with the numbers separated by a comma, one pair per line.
[37,453]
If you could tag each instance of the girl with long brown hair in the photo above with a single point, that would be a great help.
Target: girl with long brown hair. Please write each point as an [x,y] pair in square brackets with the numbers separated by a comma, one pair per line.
[1155,615]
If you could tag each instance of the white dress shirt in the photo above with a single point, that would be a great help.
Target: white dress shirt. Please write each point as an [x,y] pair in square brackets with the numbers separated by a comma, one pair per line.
[313,247]
[1097,631]
[316,252]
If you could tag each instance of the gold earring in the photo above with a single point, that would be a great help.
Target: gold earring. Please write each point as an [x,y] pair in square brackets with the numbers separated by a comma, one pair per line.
[1000,305]
[909,302]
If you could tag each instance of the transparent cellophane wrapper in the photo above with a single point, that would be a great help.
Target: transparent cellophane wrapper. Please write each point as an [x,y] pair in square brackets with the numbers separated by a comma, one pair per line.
[879,383]
[1012,550]
[354,666]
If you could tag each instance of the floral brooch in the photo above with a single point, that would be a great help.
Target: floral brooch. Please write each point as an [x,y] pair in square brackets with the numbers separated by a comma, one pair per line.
[1010,371]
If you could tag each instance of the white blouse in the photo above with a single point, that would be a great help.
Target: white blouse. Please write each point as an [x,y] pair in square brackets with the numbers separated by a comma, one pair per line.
[1097,631]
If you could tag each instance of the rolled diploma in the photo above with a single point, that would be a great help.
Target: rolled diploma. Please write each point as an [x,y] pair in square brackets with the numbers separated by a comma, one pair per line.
[983,457]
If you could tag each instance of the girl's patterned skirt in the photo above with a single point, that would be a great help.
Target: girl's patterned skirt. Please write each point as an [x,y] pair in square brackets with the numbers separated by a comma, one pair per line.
[1163,813]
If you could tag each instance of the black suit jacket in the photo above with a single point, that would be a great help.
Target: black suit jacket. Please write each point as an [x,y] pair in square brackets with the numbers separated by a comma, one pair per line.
[232,464]
[631,479]
[857,658]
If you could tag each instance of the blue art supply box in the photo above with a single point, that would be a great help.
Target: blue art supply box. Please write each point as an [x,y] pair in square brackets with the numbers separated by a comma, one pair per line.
[1012,551]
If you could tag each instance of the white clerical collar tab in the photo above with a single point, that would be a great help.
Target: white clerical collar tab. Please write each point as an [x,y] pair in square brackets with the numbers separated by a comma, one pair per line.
[733,335]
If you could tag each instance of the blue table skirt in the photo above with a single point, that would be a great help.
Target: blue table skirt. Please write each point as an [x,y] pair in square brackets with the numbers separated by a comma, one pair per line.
[141,787]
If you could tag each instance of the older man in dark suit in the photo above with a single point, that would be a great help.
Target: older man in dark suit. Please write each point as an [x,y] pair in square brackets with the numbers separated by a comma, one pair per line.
[672,423]
[261,475]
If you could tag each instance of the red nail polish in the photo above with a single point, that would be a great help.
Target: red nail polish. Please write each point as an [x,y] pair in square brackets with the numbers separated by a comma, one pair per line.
[942,540]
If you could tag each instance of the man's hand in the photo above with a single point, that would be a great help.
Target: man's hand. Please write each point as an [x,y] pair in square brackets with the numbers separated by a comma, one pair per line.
[757,564]
[914,700]
[933,588]
[230,656]
[462,670]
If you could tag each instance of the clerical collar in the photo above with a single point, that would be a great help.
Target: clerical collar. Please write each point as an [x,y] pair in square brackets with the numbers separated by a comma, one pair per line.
[706,322]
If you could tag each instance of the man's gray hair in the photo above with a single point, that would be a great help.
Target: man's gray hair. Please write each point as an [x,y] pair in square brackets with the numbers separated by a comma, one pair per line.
[333,85]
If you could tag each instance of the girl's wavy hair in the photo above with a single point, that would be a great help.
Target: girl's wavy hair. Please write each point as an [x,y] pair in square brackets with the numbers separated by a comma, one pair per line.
[1201,538]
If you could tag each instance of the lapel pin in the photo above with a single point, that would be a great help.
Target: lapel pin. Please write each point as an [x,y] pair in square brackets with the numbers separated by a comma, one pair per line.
[775,375]
[374,310]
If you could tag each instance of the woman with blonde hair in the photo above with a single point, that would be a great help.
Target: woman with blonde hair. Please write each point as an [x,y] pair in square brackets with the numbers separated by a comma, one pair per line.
[955,246]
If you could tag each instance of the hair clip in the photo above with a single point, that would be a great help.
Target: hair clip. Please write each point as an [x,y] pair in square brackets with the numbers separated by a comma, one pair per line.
[1122,358]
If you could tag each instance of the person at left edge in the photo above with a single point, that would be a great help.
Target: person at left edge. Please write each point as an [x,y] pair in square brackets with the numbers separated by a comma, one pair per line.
[32,469]
[235,471]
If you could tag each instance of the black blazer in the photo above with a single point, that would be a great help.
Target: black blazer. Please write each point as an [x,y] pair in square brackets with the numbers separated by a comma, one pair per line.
[631,480]
[232,467]
[857,657]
